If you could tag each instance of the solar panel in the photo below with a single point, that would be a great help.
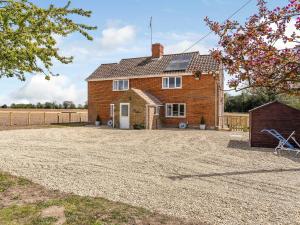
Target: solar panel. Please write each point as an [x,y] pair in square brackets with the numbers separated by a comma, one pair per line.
[179,62]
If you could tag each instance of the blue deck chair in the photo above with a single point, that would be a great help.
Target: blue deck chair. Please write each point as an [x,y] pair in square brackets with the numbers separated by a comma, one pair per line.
[284,144]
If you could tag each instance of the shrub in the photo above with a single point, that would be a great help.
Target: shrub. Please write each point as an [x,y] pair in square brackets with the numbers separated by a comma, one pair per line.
[138,126]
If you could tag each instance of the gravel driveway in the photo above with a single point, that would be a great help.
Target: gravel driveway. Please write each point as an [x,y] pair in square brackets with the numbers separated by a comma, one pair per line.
[207,176]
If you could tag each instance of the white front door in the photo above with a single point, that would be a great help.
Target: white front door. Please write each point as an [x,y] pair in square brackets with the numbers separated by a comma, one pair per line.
[124,115]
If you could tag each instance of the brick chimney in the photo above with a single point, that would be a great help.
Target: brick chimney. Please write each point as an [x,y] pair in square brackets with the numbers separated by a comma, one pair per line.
[157,50]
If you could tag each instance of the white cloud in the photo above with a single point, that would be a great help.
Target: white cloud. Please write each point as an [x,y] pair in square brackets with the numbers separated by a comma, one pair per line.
[114,40]
[113,36]
[38,89]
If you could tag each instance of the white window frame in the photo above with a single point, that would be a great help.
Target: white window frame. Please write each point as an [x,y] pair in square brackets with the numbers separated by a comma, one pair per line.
[172,116]
[168,82]
[117,82]
[112,113]
[111,110]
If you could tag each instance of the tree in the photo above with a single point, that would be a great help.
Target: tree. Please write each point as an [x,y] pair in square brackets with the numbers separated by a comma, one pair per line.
[248,100]
[27,36]
[69,105]
[249,52]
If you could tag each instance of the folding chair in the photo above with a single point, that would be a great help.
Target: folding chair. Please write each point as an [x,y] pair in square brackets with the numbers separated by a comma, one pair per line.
[284,144]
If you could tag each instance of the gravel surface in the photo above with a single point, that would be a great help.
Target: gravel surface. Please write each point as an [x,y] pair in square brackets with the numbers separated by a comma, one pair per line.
[207,176]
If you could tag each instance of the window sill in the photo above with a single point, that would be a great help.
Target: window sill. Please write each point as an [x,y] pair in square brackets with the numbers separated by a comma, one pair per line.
[174,117]
[121,90]
[171,88]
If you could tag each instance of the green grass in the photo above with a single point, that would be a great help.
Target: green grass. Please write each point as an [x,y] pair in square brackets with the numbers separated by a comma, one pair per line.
[78,210]
[7,181]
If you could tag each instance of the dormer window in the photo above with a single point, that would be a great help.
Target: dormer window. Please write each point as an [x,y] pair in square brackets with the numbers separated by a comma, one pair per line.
[120,85]
[171,82]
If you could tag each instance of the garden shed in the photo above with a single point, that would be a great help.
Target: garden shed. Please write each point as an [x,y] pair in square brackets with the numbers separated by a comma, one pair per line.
[273,115]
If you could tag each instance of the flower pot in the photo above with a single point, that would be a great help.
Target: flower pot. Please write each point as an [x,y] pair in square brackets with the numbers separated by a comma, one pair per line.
[202,126]
[97,123]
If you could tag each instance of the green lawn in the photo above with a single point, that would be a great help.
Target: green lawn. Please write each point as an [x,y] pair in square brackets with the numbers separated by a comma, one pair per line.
[23,202]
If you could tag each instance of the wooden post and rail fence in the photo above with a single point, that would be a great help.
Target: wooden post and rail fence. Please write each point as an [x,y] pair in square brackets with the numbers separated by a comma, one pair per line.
[229,121]
[28,118]
[235,121]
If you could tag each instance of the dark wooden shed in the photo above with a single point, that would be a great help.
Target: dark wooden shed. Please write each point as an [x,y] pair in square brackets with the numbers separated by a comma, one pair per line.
[273,115]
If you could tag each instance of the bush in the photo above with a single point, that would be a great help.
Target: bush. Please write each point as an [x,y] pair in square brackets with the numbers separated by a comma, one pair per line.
[139,126]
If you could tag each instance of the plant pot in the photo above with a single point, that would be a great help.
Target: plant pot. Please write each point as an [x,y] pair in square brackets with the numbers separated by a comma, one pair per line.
[97,123]
[202,126]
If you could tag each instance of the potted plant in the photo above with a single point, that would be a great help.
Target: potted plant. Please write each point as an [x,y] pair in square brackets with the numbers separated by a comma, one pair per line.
[98,121]
[202,123]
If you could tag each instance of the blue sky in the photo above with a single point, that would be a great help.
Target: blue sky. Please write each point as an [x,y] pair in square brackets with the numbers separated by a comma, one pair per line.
[123,32]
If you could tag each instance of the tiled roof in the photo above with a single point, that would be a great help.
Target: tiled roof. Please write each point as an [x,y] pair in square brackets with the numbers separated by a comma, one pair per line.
[146,66]
[150,99]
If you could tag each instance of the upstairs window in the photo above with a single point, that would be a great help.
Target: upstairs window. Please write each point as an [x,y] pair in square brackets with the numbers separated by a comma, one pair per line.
[175,110]
[171,82]
[120,85]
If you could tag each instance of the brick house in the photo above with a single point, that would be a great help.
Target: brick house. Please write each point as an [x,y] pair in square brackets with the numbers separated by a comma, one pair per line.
[157,91]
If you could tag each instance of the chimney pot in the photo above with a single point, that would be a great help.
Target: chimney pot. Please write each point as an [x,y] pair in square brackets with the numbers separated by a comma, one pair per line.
[157,50]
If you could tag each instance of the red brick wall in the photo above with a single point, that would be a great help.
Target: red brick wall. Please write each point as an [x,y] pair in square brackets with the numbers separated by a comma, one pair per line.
[199,96]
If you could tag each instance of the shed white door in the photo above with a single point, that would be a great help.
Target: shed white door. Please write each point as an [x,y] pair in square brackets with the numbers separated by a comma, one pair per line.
[124,115]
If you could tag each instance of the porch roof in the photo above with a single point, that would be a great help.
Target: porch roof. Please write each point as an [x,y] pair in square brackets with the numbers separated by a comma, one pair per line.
[150,99]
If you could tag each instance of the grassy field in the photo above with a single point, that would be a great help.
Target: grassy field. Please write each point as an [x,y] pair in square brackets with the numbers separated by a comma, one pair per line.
[23,202]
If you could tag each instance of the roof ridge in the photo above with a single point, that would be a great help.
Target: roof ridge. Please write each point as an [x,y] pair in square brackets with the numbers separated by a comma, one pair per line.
[163,55]
[108,63]
[141,57]
[137,58]
[182,53]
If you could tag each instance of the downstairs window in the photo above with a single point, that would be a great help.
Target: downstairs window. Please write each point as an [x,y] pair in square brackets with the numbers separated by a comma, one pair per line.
[175,110]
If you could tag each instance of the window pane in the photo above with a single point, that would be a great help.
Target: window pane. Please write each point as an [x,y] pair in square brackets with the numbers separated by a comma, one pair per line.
[115,85]
[169,110]
[125,84]
[124,110]
[178,82]
[171,82]
[165,82]
[175,110]
[120,87]
[156,110]
[182,110]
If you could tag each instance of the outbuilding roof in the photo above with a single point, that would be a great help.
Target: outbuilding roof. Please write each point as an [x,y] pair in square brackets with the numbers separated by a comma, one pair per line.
[271,103]
[149,66]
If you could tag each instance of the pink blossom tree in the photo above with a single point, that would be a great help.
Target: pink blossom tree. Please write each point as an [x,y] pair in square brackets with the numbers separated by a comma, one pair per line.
[250,52]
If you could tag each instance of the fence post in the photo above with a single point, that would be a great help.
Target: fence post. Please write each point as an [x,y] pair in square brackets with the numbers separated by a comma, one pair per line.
[28,119]
[44,118]
[79,117]
[57,117]
[10,119]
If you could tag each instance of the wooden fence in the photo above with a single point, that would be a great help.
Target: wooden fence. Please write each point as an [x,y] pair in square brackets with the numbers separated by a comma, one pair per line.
[27,118]
[235,121]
